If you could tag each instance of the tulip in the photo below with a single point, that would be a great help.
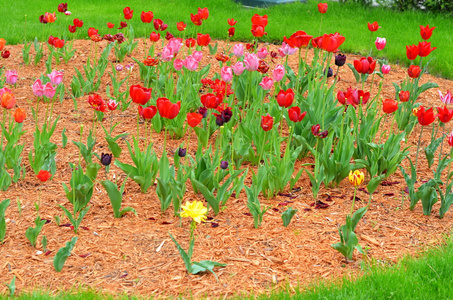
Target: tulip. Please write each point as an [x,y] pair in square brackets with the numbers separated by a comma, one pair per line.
[112,104]
[97,103]
[299,39]
[119,67]
[356,178]
[295,115]
[203,39]
[412,52]
[159,25]
[106,159]
[182,152]
[251,62]
[385,69]
[193,119]
[147,17]
[365,65]
[4,90]
[447,99]
[331,42]
[72,28]
[77,23]
[404,96]
[232,22]
[50,18]
[92,31]
[450,139]
[322,8]
[425,117]
[198,55]
[226,73]
[38,88]
[286,49]
[266,83]
[278,73]
[147,113]
[259,20]
[238,50]
[110,25]
[316,131]
[285,98]
[11,76]
[128,13]
[167,54]
[5,53]
[224,116]
[68,13]
[238,68]
[389,106]
[177,64]
[445,114]
[203,111]
[196,19]
[154,37]
[424,48]
[167,109]
[55,77]
[373,26]
[231,31]
[223,165]
[44,175]
[210,100]
[203,13]
[2,43]
[175,44]
[169,36]
[190,63]
[267,122]
[414,71]
[262,53]
[19,115]
[8,100]
[139,94]
[181,26]
[62,7]
[380,43]
[190,42]
[340,60]
[49,90]
[351,96]
[363,97]
[426,32]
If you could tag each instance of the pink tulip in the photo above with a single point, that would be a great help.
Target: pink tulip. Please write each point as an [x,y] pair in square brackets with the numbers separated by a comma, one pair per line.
[380,43]
[447,99]
[251,62]
[262,53]
[5,90]
[49,90]
[11,77]
[55,77]
[226,73]
[198,55]
[190,63]
[278,73]
[238,50]
[38,88]
[286,49]
[175,44]
[385,69]
[238,68]
[177,64]
[167,54]
[267,83]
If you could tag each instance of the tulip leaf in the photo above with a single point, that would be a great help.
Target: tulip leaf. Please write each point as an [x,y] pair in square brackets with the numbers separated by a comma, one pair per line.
[3,206]
[63,254]
[431,149]
[287,216]
[185,257]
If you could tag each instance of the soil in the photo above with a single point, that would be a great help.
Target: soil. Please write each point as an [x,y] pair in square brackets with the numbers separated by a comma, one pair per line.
[135,255]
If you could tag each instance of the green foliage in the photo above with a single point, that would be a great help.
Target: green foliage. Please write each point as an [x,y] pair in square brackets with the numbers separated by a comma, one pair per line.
[3,206]
[82,188]
[287,216]
[116,197]
[348,238]
[33,232]
[63,254]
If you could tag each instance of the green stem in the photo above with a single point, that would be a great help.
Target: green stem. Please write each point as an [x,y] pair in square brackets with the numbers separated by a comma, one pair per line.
[418,147]
[262,148]
[353,200]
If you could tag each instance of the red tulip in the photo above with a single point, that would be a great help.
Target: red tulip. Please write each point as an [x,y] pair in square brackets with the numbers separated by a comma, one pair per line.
[128,13]
[322,7]
[169,36]
[139,94]
[62,7]
[5,53]
[203,39]
[295,115]
[50,40]
[424,48]
[412,52]
[203,13]
[44,175]
[373,26]
[193,119]
[365,65]
[72,28]
[190,42]
[426,32]
[298,40]
[159,25]
[58,43]
[210,100]
[123,24]
[92,31]
[19,115]
[147,113]
[414,71]
[232,22]
[351,96]
[258,31]
[110,25]
[315,129]
[196,19]
[285,98]
[78,23]
[154,37]
[425,117]
[147,17]
[267,122]
[363,96]
[404,96]
[181,26]
[331,42]
[389,106]
[231,31]
[97,103]
[259,20]
[167,109]
[445,114]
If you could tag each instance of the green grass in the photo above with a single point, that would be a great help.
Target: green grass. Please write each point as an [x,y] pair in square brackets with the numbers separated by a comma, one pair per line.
[399,28]
[427,277]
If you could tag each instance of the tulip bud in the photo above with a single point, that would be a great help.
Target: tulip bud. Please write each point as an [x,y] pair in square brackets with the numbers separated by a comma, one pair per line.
[224,165]
[119,67]
[450,139]
[182,152]
[203,111]
[340,60]
[356,178]
[329,72]
[385,69]
[106,159]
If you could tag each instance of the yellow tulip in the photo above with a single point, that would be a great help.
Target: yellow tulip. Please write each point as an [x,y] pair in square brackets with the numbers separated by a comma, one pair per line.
[356,178]
[195,210]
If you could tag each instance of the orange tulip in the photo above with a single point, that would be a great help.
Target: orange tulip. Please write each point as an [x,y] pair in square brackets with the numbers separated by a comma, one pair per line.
[8,100]
[50,18]
[19,115]
[2,44]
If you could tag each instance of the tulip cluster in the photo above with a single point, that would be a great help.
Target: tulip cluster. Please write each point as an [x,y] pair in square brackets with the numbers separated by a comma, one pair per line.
[259,24]
[202,14]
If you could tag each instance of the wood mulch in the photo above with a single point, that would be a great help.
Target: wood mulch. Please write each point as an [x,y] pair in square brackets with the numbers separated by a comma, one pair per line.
[135,255]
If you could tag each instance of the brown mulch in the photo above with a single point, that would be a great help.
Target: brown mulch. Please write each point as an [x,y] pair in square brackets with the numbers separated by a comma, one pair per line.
[135,255]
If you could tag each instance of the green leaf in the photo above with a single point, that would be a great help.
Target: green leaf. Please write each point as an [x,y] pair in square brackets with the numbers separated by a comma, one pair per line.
[206,265]
[185,257]
[3,205]
[63,254]
[64,138]
[212,201]
[287,215]
[12,287]
[374,183]
[431,149]
[114,195]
